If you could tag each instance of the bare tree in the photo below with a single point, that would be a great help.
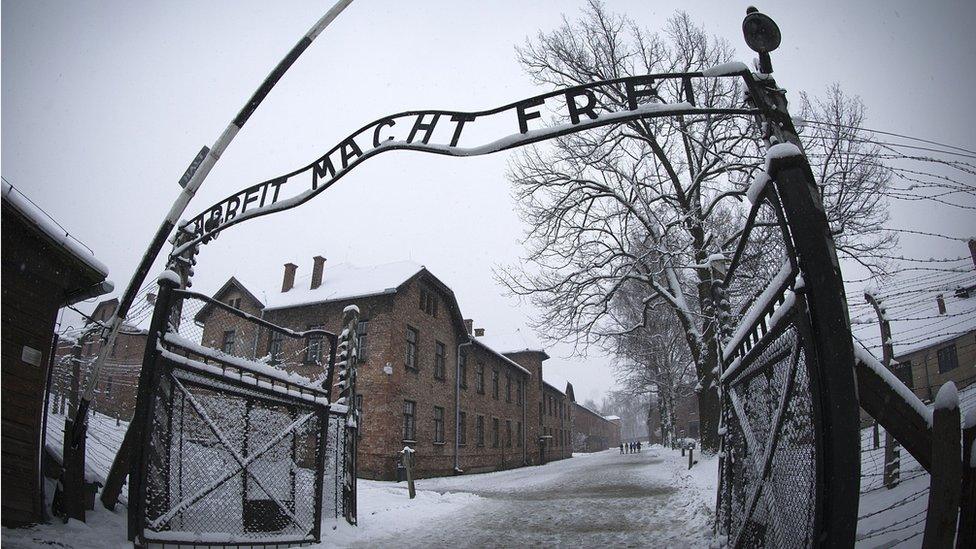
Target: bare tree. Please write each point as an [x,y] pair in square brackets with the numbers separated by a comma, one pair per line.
[643,204]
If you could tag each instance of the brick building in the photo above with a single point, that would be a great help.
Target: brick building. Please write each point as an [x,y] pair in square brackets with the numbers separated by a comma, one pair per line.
[426,379]
[592,432]
[115,390]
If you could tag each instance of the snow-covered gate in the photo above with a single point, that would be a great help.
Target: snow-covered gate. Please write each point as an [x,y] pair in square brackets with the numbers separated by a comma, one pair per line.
[233,449]
[789,474]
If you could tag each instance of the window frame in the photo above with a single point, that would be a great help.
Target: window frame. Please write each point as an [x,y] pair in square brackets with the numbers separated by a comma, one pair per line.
[362,339]
[479,379]
[275,347]
[944,354]
[463,369]
[411,357]
[316,340]
[440,361]
[230,338]
[479,431]
[495,434]
[438,425]
[494,383]
[409,426]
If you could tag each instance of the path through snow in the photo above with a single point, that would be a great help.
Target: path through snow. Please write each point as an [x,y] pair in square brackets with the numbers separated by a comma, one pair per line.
[602,499]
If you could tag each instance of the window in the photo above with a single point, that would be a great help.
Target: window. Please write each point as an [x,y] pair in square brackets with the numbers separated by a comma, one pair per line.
[362,329]
[508,433]
[904,372]
[463,369]
[234,302]
[439,369]
[494,384]
[275,348]
[438,425]
[411,358]
[359,410]
[518,391]
[494,432]
[518,434]
[948,359]
[479,379]
[408,419]
[313,347]
[508,387]
[479,430]
[428,302]
[462,428]
[228,344]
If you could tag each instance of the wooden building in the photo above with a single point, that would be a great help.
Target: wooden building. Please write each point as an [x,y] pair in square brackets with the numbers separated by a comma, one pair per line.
[44,270]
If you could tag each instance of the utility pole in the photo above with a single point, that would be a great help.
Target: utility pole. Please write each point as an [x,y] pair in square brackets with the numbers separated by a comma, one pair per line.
[891,456]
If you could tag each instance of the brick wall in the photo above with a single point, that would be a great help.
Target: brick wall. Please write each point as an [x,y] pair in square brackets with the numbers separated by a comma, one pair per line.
[591,432]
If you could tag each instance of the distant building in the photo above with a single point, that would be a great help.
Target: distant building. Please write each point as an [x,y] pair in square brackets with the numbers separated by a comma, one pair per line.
[933,331]
[43,271]
[115,390]
[419,358]
[592,432]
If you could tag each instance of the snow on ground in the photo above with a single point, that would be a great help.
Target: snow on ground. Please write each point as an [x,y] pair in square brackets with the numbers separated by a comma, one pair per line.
[606,498]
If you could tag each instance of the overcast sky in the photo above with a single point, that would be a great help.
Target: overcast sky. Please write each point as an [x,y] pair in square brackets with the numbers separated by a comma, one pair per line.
[105,103]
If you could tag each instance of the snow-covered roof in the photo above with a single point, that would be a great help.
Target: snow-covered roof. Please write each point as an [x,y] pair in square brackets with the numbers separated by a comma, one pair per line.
[911,307]
[514,342]
[511,362]
[611,418]
[343,281]
[50,227]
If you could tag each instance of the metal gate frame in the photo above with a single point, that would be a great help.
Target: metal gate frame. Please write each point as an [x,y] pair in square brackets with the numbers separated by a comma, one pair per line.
[166,362]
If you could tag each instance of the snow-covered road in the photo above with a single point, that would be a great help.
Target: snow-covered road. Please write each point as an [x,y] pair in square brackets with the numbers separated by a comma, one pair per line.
[590,500]
[603,499]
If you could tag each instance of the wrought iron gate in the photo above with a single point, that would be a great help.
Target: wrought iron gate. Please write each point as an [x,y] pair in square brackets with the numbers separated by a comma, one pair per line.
[789,467]
[233,448]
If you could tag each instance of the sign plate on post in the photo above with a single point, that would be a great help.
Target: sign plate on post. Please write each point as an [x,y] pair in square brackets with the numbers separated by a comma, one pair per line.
[192,168]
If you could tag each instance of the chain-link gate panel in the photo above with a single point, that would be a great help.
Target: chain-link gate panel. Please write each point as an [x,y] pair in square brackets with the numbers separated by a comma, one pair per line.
[779,474]
[236,450]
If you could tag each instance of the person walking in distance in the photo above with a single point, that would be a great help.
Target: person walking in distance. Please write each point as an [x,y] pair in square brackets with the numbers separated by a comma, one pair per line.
[621,447]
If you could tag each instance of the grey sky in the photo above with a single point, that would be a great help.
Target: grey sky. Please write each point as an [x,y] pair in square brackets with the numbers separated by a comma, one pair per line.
[104,104]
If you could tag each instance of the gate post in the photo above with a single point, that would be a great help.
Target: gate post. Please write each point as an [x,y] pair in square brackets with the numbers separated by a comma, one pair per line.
[137,434]
[348,356]
[944,492]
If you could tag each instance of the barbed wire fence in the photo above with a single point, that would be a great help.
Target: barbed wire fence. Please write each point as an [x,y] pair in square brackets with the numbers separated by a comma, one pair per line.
[929,302]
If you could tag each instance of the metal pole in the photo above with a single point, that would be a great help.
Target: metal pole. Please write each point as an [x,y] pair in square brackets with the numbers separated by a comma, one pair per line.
[199,174]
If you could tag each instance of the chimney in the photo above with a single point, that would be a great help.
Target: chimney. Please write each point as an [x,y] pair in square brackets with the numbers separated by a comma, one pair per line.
[941,301]
[479,332]
[469,325]
[288,282]
[318,263]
